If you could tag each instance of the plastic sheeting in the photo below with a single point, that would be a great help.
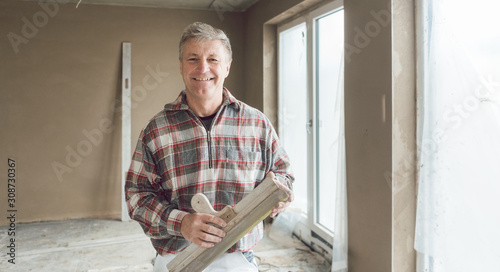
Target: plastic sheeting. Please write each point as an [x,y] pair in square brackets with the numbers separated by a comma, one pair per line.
[339,253]
[458,218]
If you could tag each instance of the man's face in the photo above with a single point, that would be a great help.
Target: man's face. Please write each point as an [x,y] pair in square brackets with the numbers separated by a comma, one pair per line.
[204,66]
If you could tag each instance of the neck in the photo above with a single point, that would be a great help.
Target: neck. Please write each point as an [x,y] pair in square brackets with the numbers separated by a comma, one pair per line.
[204,107]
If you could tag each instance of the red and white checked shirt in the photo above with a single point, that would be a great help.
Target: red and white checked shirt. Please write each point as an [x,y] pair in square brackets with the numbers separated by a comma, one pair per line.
[177,157]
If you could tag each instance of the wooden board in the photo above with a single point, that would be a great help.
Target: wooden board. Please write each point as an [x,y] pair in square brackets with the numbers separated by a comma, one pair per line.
[240,219]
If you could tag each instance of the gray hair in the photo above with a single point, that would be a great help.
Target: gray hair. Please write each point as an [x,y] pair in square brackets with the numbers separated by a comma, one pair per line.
[200,32]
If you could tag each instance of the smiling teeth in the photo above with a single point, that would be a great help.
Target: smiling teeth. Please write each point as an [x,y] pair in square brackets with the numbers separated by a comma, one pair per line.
[202,79]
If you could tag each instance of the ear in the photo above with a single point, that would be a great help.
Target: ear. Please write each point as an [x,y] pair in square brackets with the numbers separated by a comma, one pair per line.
[227,68]
[180,67]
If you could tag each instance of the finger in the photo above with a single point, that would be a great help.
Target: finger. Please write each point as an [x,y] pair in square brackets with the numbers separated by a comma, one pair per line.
[207,237]
[208,218]
[291,196]
[279,208]
[287,190]
[284,188]
[203,243]
[213,231]
[275,210]
[270,175]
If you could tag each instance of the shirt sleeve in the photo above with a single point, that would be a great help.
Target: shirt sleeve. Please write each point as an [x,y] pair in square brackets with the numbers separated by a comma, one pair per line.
[147,202]
[278,158]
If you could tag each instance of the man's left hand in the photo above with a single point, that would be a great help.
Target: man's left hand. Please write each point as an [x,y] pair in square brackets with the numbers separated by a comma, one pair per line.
[282,206]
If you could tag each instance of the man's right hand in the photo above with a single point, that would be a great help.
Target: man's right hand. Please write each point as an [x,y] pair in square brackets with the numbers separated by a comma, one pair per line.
[197,228]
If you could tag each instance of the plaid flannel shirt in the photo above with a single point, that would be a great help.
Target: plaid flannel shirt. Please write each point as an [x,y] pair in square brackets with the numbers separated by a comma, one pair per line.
[177,157]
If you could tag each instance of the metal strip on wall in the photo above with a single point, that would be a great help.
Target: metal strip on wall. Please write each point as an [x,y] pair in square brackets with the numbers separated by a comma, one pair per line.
[126,121]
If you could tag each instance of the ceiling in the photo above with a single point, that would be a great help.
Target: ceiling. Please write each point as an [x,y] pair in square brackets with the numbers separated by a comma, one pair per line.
[217,5]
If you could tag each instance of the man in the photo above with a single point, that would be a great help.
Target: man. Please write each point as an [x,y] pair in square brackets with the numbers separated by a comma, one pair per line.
[205,141]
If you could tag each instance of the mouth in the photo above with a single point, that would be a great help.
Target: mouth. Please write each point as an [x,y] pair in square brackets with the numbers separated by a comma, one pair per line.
[202,79]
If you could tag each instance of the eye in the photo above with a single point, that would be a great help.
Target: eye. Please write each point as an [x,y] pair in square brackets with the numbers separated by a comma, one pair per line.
[192,59]
[213,60]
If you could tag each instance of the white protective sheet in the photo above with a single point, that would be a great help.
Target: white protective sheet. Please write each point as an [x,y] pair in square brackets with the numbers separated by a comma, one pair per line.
[458,217]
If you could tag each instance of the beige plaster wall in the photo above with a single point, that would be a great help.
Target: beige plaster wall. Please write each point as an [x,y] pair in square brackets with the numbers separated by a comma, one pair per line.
[59,83]
[368,133]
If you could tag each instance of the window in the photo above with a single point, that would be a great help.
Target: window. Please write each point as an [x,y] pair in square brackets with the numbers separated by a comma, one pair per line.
[293,110]
[310,91]
[329,77]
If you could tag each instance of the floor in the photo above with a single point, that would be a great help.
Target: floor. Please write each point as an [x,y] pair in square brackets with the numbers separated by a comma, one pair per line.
[109,245]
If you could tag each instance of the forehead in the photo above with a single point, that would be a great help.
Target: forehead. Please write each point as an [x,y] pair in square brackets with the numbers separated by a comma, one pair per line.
[204,47]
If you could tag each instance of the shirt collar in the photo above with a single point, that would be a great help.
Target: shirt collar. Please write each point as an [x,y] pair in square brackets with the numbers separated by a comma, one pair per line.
[181,104]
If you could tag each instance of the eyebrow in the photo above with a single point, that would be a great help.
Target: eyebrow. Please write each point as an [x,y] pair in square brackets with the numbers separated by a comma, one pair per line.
[196,55]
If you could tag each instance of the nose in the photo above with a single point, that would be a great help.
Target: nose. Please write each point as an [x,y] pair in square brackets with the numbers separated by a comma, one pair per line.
[203,66]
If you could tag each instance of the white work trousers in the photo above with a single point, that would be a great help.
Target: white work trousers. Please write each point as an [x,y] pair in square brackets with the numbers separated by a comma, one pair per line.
[228,262]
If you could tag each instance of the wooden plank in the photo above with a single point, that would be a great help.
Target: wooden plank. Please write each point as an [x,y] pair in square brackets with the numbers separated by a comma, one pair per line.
[126,121]
[245,215]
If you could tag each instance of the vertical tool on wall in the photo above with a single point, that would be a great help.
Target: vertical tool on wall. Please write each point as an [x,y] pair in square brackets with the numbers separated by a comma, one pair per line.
[126,121]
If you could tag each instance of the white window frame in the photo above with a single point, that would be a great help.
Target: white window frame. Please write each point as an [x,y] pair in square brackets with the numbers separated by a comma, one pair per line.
[313,234]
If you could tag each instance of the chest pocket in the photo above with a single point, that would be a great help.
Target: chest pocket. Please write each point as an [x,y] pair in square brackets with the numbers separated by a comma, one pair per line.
[244,165]
[246,156]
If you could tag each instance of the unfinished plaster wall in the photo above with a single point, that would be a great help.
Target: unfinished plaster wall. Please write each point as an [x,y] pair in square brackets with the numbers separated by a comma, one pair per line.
[380,134]
[60,79]
[368,134]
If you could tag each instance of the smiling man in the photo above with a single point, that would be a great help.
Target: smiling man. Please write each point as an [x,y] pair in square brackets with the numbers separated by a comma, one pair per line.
[206,141]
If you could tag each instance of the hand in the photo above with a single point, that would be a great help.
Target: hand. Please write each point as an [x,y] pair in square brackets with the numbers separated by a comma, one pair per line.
[281,207]
[196,228]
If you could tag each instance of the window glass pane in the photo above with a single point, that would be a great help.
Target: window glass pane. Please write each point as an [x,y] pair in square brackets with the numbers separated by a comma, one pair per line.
[293,106]
[329,111]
